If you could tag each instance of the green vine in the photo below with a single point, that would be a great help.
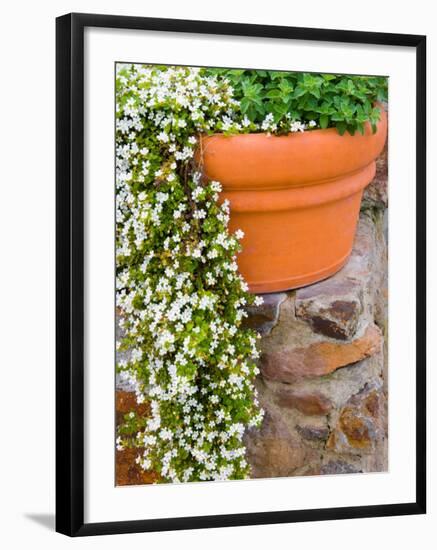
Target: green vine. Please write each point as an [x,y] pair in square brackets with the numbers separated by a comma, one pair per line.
[181,297]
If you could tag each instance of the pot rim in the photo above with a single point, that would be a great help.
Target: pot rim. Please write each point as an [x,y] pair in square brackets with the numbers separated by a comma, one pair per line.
[257,161]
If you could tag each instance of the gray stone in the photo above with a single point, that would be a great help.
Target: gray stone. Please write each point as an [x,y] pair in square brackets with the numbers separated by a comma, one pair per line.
[334,318]
[313,433]
[275,450]
[264,317]
[375,195]
[339,467]
[121,383]
[272,451]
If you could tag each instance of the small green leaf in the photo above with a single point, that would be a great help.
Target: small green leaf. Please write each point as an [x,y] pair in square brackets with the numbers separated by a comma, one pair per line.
[341,127]
[360,128]
[274,94]
[324,120]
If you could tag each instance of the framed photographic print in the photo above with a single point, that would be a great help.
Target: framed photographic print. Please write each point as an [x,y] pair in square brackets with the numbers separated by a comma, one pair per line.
[240,274]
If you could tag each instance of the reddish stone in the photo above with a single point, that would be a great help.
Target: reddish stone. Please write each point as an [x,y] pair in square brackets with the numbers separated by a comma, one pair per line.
[358,430]
[361,426]
[319,358]
[128,472]
[125,402]
[310,403]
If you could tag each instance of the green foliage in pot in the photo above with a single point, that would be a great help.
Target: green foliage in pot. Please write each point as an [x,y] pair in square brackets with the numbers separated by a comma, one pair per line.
[308,100]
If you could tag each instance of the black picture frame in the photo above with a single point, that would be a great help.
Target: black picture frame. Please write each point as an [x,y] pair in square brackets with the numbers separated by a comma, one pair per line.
[70,273]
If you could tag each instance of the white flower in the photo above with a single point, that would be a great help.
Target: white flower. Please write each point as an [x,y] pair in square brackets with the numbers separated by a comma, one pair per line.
[161,197]
[268,123]
[166,434]
[163,136]
[199,214]
[175,275]
[297,126]
[198,192]
[212,254]
[216,186]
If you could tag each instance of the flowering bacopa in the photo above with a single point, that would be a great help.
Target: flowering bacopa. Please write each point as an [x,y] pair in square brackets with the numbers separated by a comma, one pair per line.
[179,294]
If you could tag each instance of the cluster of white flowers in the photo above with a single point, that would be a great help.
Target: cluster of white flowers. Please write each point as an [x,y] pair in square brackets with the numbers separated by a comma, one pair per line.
[287,125]
[178,288]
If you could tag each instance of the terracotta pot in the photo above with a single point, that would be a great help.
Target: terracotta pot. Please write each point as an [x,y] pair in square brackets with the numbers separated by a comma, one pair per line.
[296,197]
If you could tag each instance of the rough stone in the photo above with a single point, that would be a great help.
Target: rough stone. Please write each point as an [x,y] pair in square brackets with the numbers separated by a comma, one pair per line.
[338,319]
[339,467]
[289,443]
[289,331]
[273,450]
[375,194]
[127,471]
[125,402]
[313,433]
[361,423]
[122,384]
[308,470]
[309,403]
[347,381]
[338,386]
[264,317]
[319,358]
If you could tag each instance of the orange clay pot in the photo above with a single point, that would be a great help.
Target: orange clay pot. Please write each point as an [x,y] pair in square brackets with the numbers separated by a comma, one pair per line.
[296,197]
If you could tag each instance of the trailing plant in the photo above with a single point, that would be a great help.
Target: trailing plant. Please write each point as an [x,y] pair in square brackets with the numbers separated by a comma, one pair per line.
[179,292]
[180,296]
[281,102]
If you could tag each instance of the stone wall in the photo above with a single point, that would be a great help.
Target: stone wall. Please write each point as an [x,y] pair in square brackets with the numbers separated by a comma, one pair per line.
[323,381]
